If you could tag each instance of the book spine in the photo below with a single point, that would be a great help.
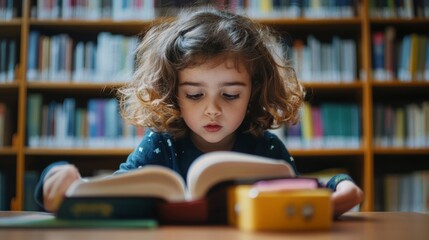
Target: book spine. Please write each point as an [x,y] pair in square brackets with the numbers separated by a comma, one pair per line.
[64,124]
[2,124]
[107,208]
[378,56]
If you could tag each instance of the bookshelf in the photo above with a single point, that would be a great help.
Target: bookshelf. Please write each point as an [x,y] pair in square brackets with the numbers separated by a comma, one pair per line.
[367,163]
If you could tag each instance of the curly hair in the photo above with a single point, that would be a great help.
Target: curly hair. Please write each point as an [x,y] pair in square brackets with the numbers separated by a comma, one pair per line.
[195,36]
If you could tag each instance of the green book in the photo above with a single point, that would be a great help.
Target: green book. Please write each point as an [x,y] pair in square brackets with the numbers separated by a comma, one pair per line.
[47,220]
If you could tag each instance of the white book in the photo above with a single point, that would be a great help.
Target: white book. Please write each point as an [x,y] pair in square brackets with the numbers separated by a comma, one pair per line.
[54,12]
[307,74]
[315,50]
[42,12]
[90,64]
[62,58]
[148,9]
[336,58]
[66,9]
[325,63]
[349,60]
[103,56]
[117,10]
[9,12]
[116,61]
[53,58]
[404,61]
[204,173]
[58,127]
[130,57]
[409,8]
[78,62]
[94,9]
[110,119]
[418,203]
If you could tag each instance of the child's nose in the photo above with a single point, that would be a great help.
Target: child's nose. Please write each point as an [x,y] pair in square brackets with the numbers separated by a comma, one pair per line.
[212,109]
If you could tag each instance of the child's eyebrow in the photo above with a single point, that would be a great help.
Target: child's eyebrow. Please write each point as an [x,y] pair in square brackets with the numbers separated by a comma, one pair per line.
[226,84]
[190,84]
[235,83]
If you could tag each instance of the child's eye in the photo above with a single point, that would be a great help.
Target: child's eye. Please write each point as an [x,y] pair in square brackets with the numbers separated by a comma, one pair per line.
[194,96]
[230,96]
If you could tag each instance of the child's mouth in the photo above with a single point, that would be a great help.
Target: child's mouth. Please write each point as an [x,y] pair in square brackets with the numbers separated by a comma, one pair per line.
[212,128]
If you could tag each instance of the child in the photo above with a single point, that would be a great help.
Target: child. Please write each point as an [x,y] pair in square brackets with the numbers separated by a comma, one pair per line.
[208,81]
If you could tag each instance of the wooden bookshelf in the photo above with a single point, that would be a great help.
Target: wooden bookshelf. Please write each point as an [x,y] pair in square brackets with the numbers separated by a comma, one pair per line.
[362,162]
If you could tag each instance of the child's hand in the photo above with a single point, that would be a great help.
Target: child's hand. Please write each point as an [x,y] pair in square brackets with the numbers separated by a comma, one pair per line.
[56,183]
[346,196]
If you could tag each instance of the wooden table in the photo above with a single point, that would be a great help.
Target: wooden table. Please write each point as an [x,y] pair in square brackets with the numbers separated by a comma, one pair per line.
[365,226]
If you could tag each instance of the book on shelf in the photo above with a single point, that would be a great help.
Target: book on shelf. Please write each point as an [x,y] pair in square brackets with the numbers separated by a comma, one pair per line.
[94,10]
[159,192]
[405,191]
[328,125]
[8,9]
[7,59]
[34,113]
[405,58]
[6,125]
[33,55]
[378,52]
[399,9]
[2,124]
[11,62]
[69,124]
[329,9]
[401,126]
[389,52]
[414,58]
[6,189]
[3,184]
[105,58]
[31,178]
[3,63]
[321,61]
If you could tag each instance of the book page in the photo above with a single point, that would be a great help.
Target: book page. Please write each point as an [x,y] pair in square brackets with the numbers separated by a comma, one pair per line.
[217,167]
[152,181]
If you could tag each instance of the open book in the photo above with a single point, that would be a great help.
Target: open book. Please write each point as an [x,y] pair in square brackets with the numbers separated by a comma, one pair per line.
[163,183]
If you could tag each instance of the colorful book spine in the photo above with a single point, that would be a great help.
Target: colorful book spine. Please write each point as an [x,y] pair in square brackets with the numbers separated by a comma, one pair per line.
[328,125]
[65,125]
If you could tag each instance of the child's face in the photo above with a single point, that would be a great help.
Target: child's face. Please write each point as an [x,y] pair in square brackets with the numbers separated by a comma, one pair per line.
[213,100]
